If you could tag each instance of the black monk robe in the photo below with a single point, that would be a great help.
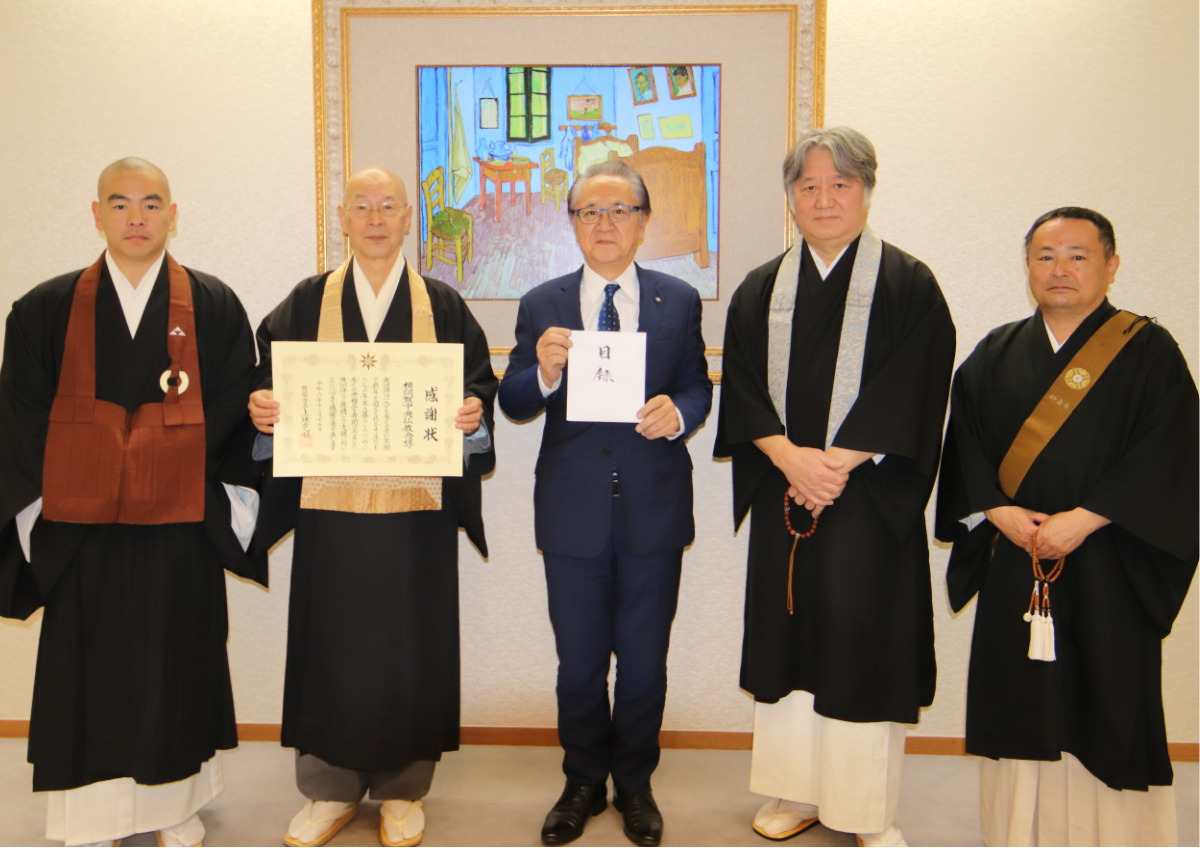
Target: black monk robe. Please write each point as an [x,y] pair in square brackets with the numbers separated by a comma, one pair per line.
[1128,453]
[132,678]
[372,679]
[861,638]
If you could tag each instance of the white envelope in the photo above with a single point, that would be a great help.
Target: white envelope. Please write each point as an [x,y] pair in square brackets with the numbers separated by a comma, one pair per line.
[608,376]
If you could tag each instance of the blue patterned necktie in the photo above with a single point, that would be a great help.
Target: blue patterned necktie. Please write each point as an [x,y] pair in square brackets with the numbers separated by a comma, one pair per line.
[609,319]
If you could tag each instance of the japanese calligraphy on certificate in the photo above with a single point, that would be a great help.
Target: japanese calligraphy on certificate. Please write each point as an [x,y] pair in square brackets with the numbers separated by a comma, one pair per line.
[608,376]
[366,409]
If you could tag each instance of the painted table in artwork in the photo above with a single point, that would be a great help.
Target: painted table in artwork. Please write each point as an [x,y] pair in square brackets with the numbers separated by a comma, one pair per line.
[504,172]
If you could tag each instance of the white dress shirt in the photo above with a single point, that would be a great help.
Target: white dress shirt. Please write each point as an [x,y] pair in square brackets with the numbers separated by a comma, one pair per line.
[627,301]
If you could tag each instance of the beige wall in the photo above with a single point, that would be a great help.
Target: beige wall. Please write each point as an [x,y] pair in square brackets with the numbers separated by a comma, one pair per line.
[985,115]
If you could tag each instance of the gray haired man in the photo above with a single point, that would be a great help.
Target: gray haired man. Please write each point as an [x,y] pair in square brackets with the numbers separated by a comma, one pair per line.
[836,370]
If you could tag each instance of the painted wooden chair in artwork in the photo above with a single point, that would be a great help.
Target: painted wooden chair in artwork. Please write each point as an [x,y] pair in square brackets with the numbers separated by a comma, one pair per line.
[554,180]
[449,231]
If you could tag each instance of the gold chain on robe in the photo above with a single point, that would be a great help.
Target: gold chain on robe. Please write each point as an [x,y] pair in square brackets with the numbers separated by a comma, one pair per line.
[372,494]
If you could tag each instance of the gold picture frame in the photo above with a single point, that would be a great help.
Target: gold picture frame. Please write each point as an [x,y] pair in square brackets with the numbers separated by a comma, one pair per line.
[365,55]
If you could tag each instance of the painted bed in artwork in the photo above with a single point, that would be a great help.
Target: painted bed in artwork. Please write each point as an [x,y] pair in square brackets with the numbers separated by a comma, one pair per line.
[678,187]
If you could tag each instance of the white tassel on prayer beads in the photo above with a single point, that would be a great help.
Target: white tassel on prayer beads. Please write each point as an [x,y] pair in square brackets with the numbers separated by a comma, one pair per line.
[1041,637]
[1041,622]
[1036,636]
[1048,654]
[1041,631]
[1034,616]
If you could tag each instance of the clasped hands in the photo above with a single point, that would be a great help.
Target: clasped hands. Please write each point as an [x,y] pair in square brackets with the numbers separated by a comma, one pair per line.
[656,419]
[1057,534]
[816,478]
[264,412]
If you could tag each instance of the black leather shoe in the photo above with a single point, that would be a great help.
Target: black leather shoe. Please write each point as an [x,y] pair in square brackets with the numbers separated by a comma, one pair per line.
[569,815]
[643,821]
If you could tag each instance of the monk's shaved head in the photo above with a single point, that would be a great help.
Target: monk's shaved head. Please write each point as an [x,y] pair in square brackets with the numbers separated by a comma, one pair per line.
[375,217]
[133,163]
[377,178]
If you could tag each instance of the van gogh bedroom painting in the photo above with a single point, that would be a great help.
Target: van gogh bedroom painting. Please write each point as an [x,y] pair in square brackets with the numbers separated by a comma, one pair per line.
[500,147]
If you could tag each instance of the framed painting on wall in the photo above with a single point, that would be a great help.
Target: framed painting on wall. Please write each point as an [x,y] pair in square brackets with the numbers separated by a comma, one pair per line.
[489,113]
[367,108]
[515,244]
[641,84]
[584,107]
[681,81]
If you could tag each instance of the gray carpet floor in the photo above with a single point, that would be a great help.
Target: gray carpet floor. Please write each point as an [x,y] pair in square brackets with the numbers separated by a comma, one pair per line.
[490,795]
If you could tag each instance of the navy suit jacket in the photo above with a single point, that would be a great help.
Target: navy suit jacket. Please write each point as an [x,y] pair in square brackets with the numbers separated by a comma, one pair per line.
[573,503]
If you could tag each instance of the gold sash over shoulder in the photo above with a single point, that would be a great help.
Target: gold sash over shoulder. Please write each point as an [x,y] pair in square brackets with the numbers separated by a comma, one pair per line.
[372,494]
[1063,397]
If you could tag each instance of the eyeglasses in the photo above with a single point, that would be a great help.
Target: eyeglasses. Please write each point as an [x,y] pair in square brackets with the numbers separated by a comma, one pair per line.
[618,213]
[387,209]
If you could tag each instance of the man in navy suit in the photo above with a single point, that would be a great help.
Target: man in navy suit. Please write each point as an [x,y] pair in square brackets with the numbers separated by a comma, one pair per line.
[613,501]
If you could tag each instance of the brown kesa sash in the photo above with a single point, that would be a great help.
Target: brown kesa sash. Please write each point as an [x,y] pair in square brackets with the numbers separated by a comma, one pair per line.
[372,494]
[104,465]
[1063,397]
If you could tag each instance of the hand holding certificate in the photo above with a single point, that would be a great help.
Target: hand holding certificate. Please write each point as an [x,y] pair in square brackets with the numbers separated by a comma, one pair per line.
[608,376]
[367,409]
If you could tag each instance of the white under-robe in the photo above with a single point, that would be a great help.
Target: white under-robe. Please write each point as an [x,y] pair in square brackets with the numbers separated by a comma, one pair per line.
[850,771]
[114,809]
[1040,802]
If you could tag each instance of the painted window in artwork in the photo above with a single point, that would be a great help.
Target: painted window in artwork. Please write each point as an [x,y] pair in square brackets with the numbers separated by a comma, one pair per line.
[528,104]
